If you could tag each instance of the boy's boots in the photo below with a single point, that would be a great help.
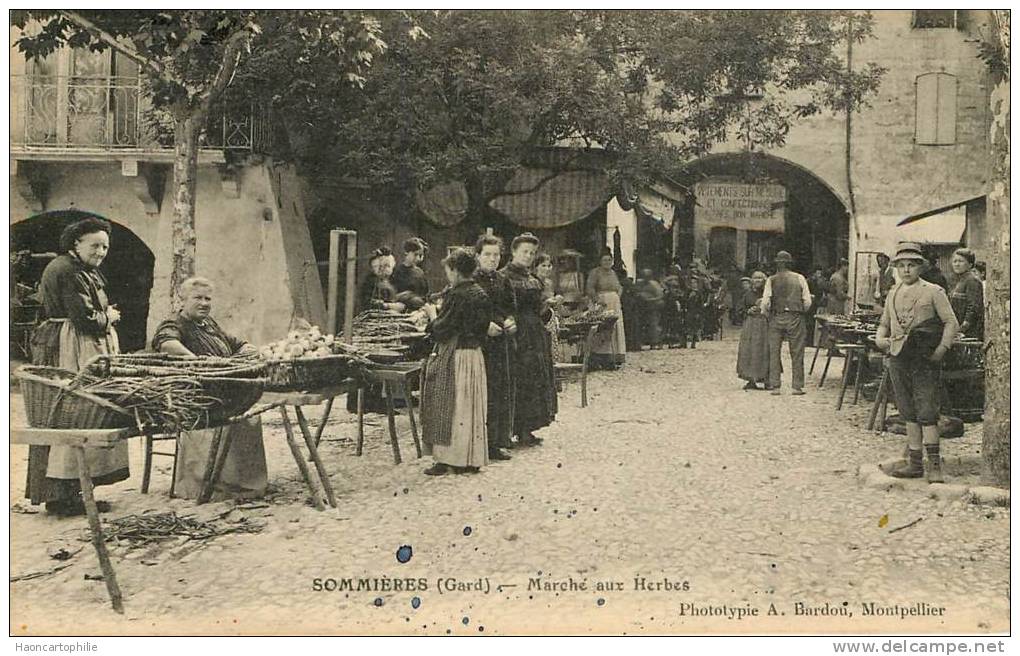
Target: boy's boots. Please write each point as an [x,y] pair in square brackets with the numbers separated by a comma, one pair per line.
[933,461]
[912,468]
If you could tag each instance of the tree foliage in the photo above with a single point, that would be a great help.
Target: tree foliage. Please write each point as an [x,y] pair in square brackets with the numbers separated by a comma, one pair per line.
[648,89]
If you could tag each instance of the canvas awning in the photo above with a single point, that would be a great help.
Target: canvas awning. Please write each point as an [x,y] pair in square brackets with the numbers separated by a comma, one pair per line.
[944,227]
[939,210]
[655,201]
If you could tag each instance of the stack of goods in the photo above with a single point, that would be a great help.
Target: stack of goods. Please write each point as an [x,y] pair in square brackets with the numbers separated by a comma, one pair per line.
[388,335]
[309,359]
[153,392]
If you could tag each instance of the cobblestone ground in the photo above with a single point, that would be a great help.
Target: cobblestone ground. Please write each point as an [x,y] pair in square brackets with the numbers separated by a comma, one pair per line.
[673,473]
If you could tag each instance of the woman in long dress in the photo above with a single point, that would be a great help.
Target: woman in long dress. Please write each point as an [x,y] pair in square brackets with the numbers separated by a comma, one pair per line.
[966,294]
[192,331]
[78,324]
[535,402]
[753,352]
[454,394]
[498,346]
[603,286]
[544,271]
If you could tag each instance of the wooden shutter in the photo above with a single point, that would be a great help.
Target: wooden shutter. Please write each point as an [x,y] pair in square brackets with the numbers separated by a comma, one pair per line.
[936,109]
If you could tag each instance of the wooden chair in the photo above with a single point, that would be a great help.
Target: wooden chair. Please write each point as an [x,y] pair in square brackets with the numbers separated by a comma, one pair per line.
[569,370]
[148,445]
[856,354]
[402,378]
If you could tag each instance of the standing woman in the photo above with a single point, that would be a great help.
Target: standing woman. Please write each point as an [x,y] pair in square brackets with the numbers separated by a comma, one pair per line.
[454,400]
[544,271]
[753,352]
[535,400]
[966,294]
[498,346]
[79,324]
[603,286]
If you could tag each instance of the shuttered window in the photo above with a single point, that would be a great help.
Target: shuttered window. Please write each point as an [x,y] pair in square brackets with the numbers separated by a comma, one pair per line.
[933,19]
[936,109]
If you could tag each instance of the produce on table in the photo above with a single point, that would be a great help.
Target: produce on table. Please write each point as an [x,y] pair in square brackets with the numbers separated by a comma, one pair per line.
[595,314]
[300,344]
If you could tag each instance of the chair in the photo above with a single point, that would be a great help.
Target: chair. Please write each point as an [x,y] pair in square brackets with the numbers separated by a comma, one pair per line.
[400,377]
[855,354]
[149,452]
[564,370]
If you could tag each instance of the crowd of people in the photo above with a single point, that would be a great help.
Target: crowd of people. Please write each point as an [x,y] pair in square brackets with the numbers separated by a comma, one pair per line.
[489,381]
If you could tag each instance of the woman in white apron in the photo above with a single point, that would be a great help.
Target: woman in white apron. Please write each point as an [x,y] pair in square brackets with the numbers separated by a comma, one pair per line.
[610,348]
[78,324]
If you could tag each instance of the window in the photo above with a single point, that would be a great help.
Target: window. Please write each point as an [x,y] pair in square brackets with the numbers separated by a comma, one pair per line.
[932,19]
[936,110]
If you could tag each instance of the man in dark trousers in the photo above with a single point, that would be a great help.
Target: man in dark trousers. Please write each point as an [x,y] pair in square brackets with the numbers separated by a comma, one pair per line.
[786,301]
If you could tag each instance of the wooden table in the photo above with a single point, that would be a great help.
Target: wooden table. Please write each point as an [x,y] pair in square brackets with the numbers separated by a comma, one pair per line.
[79,440]
[401,375]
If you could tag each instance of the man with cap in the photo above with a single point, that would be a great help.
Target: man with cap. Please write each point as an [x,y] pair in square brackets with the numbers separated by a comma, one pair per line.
[917,328]
[785,301]
[882,280]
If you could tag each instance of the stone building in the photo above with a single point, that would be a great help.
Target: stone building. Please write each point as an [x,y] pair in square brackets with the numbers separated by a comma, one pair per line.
[836,191]
[82,142]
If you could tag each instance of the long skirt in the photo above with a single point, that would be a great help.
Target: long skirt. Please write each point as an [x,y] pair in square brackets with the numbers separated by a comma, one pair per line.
[53,470]
[753,352]
[500,390]
[611,343]
[244,474]
[535,402]
[453,410]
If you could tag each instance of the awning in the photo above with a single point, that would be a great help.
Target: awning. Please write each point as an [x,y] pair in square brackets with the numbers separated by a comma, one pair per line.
[539,198]
[945,227]
[656,202]
[445,204]
[939,210]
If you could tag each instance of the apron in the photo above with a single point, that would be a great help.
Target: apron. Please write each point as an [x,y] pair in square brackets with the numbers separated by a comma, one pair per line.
[76,349]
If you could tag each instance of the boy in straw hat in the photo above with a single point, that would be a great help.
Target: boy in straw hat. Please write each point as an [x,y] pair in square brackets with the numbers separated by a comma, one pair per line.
[917,328]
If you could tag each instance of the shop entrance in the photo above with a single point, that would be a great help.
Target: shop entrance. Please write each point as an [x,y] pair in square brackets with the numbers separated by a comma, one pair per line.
[128,269]
[796,212]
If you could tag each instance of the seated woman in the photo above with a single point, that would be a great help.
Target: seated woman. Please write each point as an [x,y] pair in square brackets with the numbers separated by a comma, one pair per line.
[454,396]
[194,332]
[377,291]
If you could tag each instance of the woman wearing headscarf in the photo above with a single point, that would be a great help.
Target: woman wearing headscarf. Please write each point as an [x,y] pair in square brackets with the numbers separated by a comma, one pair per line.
[753,352]
[377,291]
[454,394]
[78,323]
[535,401]
[603,286]
[193,331]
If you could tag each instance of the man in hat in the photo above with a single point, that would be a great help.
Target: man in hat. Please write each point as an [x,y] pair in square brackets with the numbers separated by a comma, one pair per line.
[917,329]
[882,280]
[785,301]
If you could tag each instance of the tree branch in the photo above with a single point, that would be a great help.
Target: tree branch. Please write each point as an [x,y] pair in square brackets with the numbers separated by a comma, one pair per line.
[112,41]
[541,182]
[231,58]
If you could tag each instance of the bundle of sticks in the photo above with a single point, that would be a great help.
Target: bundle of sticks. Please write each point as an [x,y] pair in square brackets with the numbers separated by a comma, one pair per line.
[170,393]
[384,329]
[154,527]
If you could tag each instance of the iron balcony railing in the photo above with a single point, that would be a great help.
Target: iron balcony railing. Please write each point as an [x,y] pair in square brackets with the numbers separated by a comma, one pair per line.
[112,113]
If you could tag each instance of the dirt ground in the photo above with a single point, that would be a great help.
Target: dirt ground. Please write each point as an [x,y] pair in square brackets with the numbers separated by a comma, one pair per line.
[675,503]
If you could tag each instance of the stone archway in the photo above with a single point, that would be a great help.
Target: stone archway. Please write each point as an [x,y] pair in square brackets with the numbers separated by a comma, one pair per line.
[812,222]
[128,268]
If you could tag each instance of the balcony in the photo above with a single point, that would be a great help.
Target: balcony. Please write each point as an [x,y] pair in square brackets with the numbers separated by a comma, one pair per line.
[104,117]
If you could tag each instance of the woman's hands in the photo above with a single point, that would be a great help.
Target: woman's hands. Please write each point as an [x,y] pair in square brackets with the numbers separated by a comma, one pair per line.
[494,330]
[112,314]
[938,353]
[510,326]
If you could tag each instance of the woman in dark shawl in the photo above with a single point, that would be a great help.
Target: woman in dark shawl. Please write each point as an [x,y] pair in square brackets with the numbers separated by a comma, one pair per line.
[753,352]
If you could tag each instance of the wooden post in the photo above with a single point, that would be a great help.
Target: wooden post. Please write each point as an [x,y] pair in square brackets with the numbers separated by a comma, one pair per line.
[96,530]
[334,281]
[349,288]
[300,460]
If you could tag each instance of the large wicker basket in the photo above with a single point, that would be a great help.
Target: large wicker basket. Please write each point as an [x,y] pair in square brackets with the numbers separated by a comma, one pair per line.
[50,402]
[237,395]
[309,373]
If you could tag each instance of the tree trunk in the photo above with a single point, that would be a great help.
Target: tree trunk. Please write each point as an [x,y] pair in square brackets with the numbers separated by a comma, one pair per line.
[478,200]
[183,223]
[995,445]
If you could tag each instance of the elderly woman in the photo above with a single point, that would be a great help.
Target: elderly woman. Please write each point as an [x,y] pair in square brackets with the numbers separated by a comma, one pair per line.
[535,396]
[193,331]
[603,286]
[966,294]
[78,323]
[454,393]
[377,291]
[753,352]
[917,329]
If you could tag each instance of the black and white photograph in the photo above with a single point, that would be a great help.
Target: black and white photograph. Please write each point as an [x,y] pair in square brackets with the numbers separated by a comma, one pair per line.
[511,322]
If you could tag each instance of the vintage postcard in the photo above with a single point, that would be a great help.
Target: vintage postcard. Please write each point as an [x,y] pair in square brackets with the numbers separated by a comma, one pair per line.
[517,322]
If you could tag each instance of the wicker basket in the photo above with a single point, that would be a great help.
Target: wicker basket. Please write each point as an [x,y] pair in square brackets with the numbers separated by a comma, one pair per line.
[237,396]
[308,373]
[49,403]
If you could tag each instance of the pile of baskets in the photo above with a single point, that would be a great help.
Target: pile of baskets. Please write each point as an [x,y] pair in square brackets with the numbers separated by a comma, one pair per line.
[153,392]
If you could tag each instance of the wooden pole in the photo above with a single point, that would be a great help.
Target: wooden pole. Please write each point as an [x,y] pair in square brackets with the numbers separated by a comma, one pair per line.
[96,530]
[352,272]
[334,280]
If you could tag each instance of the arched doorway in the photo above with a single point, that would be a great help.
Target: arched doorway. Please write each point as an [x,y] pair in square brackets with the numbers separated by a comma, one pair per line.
[128,269]
[736,228]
